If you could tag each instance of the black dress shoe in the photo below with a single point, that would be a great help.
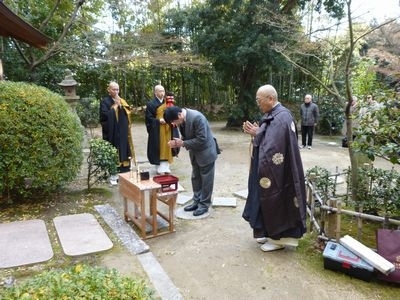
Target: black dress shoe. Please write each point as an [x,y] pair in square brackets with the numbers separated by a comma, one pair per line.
[200,211]
[191,207]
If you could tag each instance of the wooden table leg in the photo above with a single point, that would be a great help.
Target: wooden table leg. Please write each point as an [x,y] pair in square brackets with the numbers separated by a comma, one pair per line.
[125,201]
[153,211]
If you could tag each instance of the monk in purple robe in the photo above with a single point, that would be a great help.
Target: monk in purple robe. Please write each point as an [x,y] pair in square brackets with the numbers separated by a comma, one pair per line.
[276,201]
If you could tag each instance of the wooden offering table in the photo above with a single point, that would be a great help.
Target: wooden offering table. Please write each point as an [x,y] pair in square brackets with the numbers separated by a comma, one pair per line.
[137,193]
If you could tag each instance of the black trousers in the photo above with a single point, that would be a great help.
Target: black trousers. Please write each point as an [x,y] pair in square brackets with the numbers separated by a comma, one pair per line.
[307,135]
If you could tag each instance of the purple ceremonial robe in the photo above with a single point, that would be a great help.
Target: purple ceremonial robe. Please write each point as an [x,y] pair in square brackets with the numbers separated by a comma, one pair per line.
[276,202]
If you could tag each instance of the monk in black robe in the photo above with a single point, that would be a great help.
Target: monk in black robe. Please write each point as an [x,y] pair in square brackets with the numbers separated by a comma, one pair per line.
[115,119]
[159,132]
[276,202]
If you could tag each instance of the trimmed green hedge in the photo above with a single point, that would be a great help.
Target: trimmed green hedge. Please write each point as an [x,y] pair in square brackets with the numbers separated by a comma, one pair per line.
[40,140]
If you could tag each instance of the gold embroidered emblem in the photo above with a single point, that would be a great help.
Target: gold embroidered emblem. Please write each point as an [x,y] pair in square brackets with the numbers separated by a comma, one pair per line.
[265,182]
[296,202]
[277,158]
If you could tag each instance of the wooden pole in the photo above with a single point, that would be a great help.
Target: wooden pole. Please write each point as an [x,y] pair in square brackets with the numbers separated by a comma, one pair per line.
[338,218]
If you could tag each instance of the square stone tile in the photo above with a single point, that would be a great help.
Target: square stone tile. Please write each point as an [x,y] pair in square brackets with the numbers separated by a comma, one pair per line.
[222,201]
[81,234]
[24,243]
[242,194]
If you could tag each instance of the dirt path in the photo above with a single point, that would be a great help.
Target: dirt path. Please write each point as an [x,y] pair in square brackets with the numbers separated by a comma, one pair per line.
[216,257]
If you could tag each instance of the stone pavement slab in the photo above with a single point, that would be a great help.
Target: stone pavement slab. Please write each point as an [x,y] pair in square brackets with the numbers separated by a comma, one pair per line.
[242,194]
[224,201]
[183,199]
[188,215]
[81,234]
[23,243]
[161,281]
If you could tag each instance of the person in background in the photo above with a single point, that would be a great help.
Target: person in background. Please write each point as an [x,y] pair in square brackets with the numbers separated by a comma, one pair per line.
[309,114]
[170,101]
[198,139]
[276,201]
[115,120]
[369,106]
[159,132]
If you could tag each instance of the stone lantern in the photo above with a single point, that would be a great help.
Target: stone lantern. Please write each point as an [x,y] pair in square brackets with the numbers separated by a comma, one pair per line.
[69,84]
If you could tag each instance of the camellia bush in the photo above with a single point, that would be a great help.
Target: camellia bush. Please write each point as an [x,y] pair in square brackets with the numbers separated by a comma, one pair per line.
[102,161]
[40,141]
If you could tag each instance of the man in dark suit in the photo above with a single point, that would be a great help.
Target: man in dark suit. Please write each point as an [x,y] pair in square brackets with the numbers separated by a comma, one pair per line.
[198,139]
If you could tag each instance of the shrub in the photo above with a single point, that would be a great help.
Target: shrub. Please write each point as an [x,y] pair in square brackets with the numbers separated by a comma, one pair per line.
[79,282]
[88,111]
[40,148]
[331,116]
[379,191]
[324,184]
[102,161]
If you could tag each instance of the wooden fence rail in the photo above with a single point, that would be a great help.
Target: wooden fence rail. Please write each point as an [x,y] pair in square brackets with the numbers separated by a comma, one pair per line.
[331,212]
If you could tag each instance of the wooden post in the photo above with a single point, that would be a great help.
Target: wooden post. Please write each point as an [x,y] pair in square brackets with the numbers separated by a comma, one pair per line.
[359,223]
[338,218]
[311,199]
[331,219]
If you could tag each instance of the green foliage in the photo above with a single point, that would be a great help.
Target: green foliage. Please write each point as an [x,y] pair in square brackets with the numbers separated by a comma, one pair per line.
[102,161]
[331,116]
[79,282]
[88,111]
[363,79]
[379,133]
[379,191]
[236,37]
[323,182]
[40,148]
[335,8]
[69,25]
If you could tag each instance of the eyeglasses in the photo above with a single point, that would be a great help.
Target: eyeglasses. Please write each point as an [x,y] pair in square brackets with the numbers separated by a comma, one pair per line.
[258,99]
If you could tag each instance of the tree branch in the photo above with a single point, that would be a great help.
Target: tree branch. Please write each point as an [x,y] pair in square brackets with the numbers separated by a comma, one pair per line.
[306,72]
[51,14]
[24,57]
[56,47]
[374,28]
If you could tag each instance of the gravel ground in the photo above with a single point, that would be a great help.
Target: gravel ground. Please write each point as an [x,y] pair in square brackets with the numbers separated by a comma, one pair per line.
[217,258]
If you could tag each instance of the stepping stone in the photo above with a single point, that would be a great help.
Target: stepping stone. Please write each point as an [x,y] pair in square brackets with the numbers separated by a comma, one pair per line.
[242,194]
[188,215]
[222,201]
[183,199]
[24,243]
[81,234]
